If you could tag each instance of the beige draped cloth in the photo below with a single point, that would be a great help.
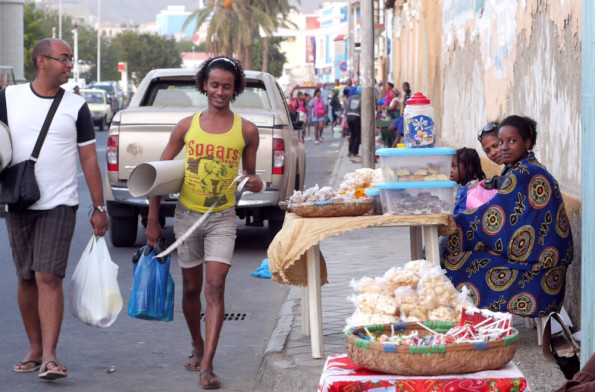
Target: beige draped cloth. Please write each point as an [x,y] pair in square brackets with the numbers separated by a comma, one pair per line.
[287,251]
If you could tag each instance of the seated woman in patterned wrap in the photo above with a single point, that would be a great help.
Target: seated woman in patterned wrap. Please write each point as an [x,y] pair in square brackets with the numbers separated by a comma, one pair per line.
[512,252]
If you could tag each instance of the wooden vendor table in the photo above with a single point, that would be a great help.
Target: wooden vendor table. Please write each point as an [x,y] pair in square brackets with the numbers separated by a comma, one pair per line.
[341,374]
[295,258]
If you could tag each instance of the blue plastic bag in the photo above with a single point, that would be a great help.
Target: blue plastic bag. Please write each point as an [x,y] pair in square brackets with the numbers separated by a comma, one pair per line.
[263,271]
[152,292]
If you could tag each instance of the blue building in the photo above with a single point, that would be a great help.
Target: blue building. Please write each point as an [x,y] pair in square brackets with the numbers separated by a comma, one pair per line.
[170,22]
[331,42]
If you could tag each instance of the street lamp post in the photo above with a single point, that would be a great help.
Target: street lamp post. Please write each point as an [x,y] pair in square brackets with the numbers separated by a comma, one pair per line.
[60,19]
[76,53]
[99,40]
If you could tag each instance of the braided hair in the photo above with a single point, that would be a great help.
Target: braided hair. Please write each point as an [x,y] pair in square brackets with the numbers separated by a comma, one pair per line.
[469,159]
[226,64]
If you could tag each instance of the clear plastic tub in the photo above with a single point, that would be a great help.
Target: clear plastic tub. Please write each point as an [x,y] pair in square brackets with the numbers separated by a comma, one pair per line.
[415,164]
[374,194]
[417,198]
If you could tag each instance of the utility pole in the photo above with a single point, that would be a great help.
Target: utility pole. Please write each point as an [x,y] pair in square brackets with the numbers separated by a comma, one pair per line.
[60,19]
[350,37]
[367,83]
[99,40]
[76,53]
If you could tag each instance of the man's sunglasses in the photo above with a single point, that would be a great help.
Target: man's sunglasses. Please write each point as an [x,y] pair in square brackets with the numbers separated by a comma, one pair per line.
[488,128]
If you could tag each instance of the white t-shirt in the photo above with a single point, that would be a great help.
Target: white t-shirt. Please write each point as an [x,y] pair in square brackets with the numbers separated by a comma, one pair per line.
[72,126]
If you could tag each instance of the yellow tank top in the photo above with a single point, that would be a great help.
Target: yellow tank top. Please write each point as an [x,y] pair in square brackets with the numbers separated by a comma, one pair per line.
[212,163]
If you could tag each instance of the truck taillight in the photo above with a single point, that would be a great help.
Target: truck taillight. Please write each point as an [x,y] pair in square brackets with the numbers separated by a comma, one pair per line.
[111,153]
[278,156]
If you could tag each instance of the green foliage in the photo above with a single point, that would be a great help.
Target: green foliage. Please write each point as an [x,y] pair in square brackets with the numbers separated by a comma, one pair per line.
[142,52]
[276,57]
[39,24]
[187,46]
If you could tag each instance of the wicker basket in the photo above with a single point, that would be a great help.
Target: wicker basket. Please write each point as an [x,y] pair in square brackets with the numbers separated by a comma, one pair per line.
[427,360]
[333,208]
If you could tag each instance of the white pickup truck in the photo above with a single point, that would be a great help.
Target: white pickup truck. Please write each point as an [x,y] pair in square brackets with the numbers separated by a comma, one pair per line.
[139,134]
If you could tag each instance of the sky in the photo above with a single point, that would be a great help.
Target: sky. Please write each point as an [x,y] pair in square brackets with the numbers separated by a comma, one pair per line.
[144,11]
[309,6]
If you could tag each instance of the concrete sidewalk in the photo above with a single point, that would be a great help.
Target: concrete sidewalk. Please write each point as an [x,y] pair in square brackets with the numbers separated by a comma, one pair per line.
[288,364]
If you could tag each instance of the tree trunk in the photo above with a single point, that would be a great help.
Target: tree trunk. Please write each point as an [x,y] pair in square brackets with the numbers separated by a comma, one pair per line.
[229,49]
[248,63]
[265,54]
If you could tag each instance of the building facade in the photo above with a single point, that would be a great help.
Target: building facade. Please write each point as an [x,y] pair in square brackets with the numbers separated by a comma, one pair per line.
[480,61]
[12,40]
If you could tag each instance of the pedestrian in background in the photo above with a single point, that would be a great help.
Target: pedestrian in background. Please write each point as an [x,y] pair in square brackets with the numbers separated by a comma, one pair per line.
[318,109]
[40,236]
[208,180]
[336,108]
[406,93]
[307,99]
[353,109]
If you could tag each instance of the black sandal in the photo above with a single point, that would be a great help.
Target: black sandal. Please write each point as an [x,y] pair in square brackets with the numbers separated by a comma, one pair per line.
[194,367]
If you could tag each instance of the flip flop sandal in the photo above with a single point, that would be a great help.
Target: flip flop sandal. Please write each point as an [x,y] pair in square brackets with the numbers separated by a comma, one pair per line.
[214,380]
[194,367]
[36,366]
[52,374]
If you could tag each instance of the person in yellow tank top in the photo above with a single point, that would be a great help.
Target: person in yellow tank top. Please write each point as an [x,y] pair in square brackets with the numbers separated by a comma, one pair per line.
[216,141]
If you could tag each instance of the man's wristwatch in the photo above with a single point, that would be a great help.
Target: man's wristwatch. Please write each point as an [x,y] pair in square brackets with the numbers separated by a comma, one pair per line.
[98,208]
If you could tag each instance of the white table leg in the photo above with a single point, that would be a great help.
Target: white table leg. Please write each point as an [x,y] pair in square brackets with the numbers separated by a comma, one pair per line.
[432,245]
[416,242]
[305,312]
[314,301]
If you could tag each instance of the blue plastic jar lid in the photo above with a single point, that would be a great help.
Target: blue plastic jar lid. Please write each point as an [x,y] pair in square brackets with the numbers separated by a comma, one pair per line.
[416,184]
[372,192]
[387,152]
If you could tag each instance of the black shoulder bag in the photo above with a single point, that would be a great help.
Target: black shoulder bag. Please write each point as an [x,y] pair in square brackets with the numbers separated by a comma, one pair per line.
[18,186]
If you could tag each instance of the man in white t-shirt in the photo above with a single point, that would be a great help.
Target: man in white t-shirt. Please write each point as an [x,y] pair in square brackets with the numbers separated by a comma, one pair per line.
[40,236]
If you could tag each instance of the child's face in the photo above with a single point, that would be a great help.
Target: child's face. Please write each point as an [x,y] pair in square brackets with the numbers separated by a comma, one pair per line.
[491,146]
[512,146]
[456,171]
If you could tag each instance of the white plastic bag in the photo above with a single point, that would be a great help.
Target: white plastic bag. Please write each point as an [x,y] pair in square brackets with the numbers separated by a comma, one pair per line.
[95,297]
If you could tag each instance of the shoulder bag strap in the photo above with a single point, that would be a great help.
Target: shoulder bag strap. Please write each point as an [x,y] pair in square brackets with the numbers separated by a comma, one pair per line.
[46,124]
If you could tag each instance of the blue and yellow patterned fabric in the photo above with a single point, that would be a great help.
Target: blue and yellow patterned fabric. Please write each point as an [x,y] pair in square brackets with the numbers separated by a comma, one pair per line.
[512,252]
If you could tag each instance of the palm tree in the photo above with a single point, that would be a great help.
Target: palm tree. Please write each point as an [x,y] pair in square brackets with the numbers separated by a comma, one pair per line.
[232,25]
[279,11]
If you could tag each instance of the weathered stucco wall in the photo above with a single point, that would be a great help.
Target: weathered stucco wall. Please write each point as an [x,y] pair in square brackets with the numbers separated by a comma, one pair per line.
[496,58]
[417,48]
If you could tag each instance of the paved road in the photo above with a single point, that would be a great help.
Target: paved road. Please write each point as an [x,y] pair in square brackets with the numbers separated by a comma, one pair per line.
[151,355]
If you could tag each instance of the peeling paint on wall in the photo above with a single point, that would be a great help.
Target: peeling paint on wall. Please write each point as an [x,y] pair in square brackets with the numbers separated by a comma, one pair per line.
[455,16]
[496,58]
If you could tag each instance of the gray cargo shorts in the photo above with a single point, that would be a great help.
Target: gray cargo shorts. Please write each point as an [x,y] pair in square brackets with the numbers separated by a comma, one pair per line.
[213,240]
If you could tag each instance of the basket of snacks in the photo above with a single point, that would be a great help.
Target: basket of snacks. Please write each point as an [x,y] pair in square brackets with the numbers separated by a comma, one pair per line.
[325,202]
[432,348]
[333,208]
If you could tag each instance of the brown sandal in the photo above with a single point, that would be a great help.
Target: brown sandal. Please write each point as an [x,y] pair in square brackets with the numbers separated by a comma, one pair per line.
[194,367]
[213,380]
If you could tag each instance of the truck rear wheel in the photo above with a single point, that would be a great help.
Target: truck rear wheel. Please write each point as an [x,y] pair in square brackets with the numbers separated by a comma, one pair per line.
[274,227]
[122,231]
[103,124]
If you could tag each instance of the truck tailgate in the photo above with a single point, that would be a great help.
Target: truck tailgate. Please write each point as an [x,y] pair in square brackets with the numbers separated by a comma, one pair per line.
[264,158]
